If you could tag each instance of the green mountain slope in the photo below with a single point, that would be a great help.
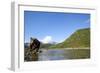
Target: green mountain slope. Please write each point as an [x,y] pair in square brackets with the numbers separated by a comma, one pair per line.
[79,39]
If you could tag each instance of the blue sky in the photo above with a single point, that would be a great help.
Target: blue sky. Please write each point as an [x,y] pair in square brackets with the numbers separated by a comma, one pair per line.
[53,26]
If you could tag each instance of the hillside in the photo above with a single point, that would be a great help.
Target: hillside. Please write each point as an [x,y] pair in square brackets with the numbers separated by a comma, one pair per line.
[79,39]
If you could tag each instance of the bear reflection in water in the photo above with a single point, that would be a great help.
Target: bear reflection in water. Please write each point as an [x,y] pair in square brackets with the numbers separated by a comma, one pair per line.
[31,53]
[31,57]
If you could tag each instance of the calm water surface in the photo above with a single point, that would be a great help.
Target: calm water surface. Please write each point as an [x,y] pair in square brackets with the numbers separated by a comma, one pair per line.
[62,54]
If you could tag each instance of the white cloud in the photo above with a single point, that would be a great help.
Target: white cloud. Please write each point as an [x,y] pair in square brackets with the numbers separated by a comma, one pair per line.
[47,39]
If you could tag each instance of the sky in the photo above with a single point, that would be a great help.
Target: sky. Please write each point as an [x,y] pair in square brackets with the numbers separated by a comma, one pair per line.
[53,26]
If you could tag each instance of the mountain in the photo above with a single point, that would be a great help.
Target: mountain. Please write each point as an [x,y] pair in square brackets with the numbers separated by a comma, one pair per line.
[45,45]
[79,39]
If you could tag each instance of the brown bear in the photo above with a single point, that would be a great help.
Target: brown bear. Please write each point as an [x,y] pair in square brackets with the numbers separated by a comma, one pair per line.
[34,44]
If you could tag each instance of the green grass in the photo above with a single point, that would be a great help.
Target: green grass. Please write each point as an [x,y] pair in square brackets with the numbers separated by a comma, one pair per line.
[79,39]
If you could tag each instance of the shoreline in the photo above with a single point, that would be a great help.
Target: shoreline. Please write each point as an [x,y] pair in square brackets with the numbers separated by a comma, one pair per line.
[64,48]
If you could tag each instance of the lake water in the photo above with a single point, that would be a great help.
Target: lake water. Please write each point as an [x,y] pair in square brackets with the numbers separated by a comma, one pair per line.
[62,54]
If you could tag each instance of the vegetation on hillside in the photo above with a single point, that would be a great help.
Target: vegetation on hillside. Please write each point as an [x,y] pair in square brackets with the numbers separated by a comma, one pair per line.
[79,39]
